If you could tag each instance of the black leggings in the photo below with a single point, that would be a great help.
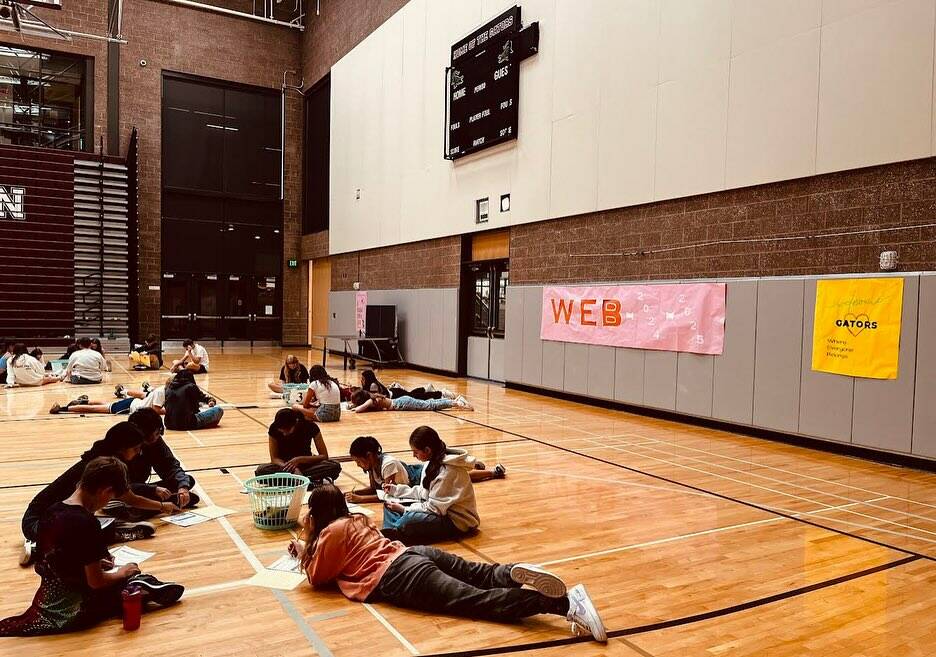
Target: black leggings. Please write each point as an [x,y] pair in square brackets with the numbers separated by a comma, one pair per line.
[415,393]
[429,579]
[326,469]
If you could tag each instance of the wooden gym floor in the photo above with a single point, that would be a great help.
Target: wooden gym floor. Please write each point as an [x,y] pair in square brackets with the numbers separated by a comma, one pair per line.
[691,541]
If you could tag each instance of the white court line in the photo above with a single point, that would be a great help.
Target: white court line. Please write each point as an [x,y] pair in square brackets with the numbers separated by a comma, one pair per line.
[790,472]
[229,528]
[784,483]
[399,637]
[671,539]
[804,499]
[213,588]
[195,438]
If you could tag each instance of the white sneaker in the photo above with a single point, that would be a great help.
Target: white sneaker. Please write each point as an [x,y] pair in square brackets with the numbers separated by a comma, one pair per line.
[29,553]
[461,402]
[543,581]
[583,615]
[429,387]
[448,394]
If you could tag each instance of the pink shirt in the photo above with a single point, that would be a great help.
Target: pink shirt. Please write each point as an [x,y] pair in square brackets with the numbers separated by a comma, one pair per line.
[353,553]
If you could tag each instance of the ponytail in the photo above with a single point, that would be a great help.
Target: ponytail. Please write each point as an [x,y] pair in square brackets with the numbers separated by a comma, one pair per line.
[426,438]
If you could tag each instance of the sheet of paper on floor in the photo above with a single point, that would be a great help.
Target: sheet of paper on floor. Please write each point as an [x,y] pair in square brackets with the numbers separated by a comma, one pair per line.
[186,519]
[124,554]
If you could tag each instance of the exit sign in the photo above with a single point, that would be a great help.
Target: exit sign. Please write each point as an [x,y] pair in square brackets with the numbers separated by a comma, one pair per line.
[293,264]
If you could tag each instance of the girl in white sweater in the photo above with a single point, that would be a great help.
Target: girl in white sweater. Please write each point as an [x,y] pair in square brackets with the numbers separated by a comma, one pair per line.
[442,505]
[24,370]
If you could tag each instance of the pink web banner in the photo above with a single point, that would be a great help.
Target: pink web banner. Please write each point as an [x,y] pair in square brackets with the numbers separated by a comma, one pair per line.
[673,317]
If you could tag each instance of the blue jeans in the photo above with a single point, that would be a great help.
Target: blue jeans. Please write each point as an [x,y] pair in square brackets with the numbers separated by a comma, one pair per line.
[420,527]
[209,417]
[414,471]
[410,404]
[328,413]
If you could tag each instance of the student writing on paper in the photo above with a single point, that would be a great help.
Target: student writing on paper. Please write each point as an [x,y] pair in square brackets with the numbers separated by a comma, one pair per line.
[443,505]
[292,373]
[174,484]
[348,550]
[79,587]
[291,440]
[383,468]
[122,441]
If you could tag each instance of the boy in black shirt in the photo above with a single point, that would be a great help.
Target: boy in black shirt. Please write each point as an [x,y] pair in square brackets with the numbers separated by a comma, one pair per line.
[80,586]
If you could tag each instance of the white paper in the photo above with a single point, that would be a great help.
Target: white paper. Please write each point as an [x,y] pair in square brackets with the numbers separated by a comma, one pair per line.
[125,554]
[186,519]
[287,564]
[355,508]
[211,512]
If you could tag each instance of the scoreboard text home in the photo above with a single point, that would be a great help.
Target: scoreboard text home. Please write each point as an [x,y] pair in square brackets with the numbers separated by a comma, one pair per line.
[483,84]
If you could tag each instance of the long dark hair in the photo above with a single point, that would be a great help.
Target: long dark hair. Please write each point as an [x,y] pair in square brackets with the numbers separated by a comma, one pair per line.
[19,349]
[183,378]
[318,373]
[364,445]
[359,397]
[426,438]
[369,378]
[284,418]
[119,437]
[326,505]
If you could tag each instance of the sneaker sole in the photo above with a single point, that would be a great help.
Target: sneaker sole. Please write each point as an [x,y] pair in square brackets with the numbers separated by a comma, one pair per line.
[162,594]
[546,583]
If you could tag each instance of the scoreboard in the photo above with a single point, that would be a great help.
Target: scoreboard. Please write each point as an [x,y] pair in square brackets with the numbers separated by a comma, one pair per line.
[483,87]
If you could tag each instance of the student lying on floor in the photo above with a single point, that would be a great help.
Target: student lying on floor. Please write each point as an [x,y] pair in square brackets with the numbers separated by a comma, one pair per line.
[368,567]
[123,441]
[131,400]
[370,383]
[80,586]
[441,506]
[291,440]
[363,401]
[383,468]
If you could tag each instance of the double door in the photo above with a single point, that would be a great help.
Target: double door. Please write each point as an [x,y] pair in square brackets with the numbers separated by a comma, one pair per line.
[220,307]
[486,286]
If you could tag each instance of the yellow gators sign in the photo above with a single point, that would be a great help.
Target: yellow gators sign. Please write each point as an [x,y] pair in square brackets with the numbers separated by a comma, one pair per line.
[857,327]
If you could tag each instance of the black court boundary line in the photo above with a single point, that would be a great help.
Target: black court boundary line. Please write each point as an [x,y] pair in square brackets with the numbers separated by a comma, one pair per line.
[729,498]
[684,620]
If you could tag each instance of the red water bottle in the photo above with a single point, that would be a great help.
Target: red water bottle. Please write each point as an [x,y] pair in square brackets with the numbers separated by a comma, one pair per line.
[132,607]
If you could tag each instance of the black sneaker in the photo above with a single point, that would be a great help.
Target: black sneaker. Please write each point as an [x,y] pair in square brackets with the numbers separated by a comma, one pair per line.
[194,499]
[161,593]
[146,387]
[56,409]
[133,531]
[124,512]
[479,465]
[500,471]
[119,391]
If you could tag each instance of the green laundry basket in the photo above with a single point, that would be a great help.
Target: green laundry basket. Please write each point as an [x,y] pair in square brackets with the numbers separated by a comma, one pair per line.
[275,500]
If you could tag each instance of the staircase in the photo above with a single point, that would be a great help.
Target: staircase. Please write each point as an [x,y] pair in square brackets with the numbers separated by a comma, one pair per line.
[101,248]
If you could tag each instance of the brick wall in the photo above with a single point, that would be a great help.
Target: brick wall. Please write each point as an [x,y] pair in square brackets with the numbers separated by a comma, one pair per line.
[174,38]
[433,263]
[894,195]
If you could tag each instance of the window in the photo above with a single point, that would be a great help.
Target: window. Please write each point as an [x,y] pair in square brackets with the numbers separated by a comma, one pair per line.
[315,184]
[489,297]
[43,99]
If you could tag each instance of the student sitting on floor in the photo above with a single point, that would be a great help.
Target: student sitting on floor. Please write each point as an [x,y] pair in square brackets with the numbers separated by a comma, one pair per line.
[370,383]
[24,370]
[291,437]
[322,401]
[98,347]
[85,365]
[80,586]
[363,401]
[195,359]
[174,484]
[123,441]
[6,351]
[131,400]
[382,468]
[347,549]
[183,400]
[441,506]
[147,356]
[293,373]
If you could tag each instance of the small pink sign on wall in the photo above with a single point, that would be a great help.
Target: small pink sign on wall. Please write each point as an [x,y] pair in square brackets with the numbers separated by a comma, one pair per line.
[360,312]
[670,317]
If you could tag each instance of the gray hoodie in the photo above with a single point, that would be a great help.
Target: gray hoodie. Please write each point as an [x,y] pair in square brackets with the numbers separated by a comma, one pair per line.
[450,493]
